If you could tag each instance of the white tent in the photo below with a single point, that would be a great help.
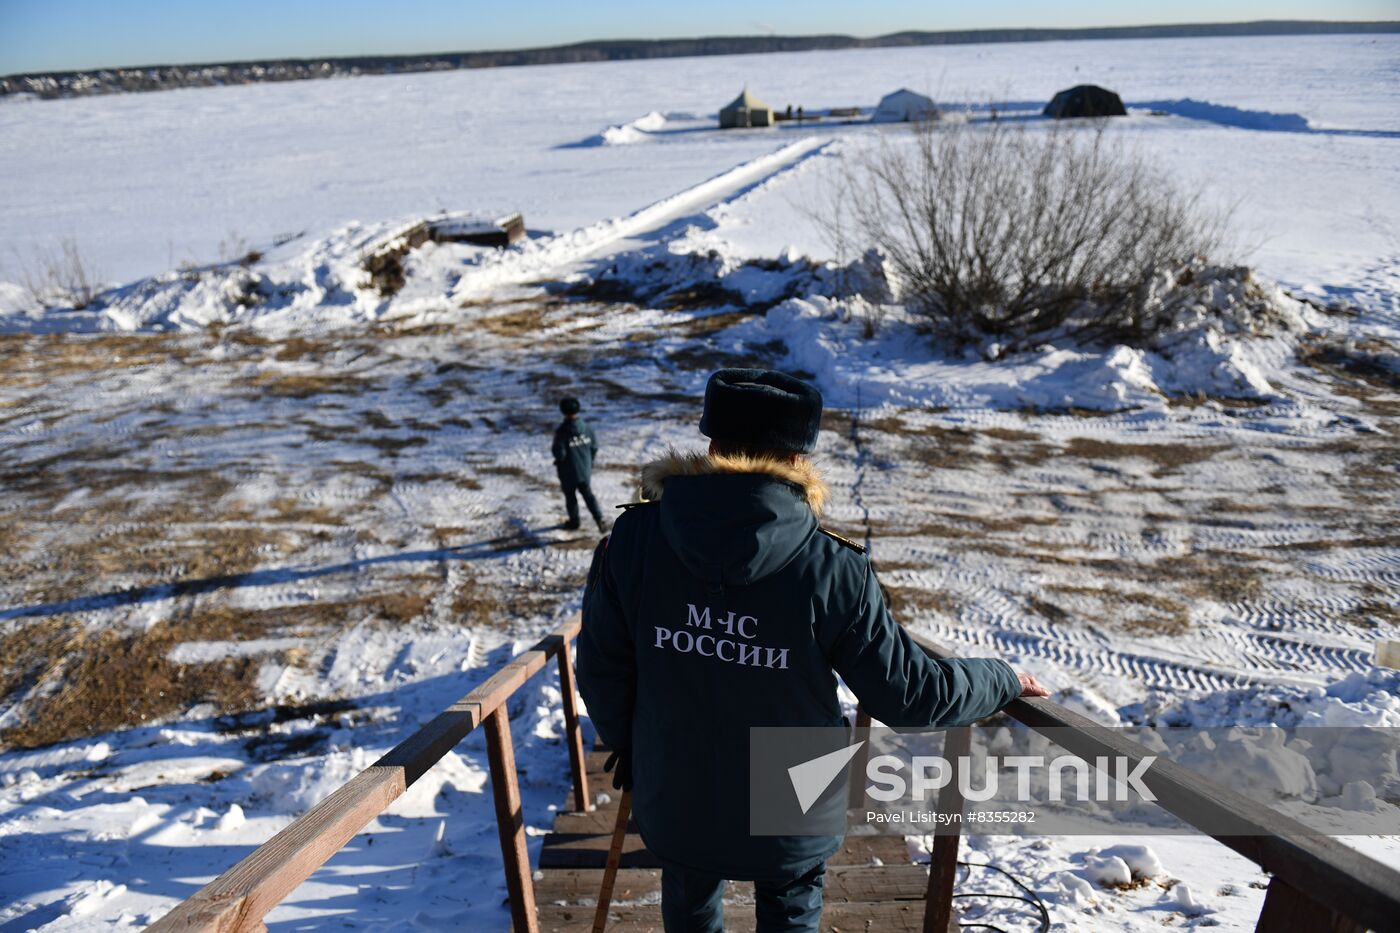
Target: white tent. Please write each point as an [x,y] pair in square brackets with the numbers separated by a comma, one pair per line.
[904,106]
[745,110]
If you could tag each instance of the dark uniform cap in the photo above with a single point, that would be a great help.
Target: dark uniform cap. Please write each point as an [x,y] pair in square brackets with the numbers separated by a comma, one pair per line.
[761,409]
[569,405]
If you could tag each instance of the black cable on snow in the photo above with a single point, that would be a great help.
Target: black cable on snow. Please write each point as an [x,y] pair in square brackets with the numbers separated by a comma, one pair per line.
[1030,897]
[856,494]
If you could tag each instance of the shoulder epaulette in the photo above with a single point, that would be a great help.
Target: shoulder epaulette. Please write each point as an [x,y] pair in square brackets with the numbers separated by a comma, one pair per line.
[842,540]
[629,506]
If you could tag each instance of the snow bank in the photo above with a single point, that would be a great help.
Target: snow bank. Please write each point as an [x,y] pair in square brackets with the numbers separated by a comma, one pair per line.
[901,364]
[635,131]
[657,276]
[1140,860]
[1360,699]
[1107,871]
[1314,765]
[1227,115]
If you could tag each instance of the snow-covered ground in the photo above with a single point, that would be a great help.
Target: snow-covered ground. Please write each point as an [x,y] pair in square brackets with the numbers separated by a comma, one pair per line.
[268,482]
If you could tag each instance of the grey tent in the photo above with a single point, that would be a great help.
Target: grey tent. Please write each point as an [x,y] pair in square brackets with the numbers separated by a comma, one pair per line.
[1086,100]
[904,106]
[745,110]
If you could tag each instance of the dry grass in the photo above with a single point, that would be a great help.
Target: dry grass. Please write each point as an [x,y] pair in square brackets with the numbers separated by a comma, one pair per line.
[1219,577]
[1124,610]
[1356,369]
[377,420]
[452,389]
[1168,457]
[516,472]
[72,681]
[971,530]
[102,680]
[475,604]
[1371,473]
[937,446]
[523,323]
[698,297]
[905,602]
[47,357]
[310,349]
[289,511]
[184,529]
[393,446]
[1374,614]
[309,385]
[379,476]
[460,480]
[1011,435]
[705,325]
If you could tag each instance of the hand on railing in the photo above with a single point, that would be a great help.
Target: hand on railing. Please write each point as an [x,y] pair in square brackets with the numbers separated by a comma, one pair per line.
[1030,687]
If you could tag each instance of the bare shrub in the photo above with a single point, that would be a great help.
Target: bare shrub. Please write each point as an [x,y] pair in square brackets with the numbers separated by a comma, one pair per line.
[234,248]
[998,230]
[59,276]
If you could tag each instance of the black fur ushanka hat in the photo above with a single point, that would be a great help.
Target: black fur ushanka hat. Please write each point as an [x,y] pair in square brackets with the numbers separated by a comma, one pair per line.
[762,409]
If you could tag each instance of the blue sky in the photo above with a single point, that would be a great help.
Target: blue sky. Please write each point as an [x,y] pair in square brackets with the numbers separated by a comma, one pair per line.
[41,35]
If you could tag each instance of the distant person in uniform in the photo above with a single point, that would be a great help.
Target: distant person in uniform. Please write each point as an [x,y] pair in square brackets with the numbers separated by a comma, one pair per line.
[575,446]
[720,604]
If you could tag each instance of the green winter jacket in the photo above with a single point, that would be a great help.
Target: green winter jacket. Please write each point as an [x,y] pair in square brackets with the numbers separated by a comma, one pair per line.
[723,606]
[575,446]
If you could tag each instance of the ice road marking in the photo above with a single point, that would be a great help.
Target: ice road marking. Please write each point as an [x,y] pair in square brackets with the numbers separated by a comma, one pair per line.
[811,778]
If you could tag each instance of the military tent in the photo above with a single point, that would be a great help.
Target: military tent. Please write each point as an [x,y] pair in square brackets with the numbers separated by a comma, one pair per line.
[745,110]
[904,106]
[1086,100]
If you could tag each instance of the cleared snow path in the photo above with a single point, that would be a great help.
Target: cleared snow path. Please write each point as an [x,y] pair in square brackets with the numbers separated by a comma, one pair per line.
[558,256]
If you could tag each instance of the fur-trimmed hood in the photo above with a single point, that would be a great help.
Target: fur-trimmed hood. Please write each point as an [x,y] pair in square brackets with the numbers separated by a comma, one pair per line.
[802,473]
[734,520]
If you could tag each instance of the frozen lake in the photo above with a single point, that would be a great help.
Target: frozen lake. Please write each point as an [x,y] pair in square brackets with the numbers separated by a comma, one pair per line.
[145,182]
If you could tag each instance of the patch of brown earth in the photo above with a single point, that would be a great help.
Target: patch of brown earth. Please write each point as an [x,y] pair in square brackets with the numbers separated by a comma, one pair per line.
[72,681]
[1169,457]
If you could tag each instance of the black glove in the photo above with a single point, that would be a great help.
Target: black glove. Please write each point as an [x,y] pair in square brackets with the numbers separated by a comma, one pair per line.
[620,764]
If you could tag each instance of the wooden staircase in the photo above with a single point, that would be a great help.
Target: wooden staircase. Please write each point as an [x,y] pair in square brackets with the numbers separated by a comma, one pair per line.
[870,884]
[1319,883]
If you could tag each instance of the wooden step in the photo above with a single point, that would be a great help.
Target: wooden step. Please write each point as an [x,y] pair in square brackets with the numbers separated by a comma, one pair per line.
[594,822]
[870,883]
[843,883]
[898,916]
[563,886]
[589,849]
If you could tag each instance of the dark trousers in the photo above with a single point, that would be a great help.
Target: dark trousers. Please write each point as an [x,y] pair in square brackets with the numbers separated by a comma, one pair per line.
[693,902]
[571,494]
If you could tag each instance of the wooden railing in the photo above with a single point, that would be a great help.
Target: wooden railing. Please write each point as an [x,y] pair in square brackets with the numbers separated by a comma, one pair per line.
[237,900]
[1319,884]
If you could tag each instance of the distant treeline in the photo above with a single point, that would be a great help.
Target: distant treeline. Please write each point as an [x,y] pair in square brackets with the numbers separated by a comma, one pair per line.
[166,77]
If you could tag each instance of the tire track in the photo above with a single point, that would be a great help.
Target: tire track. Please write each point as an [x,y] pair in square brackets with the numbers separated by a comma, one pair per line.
[1149,671]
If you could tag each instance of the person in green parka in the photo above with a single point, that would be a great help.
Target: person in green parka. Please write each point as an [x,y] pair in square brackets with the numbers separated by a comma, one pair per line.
[575,446]
[720,604]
